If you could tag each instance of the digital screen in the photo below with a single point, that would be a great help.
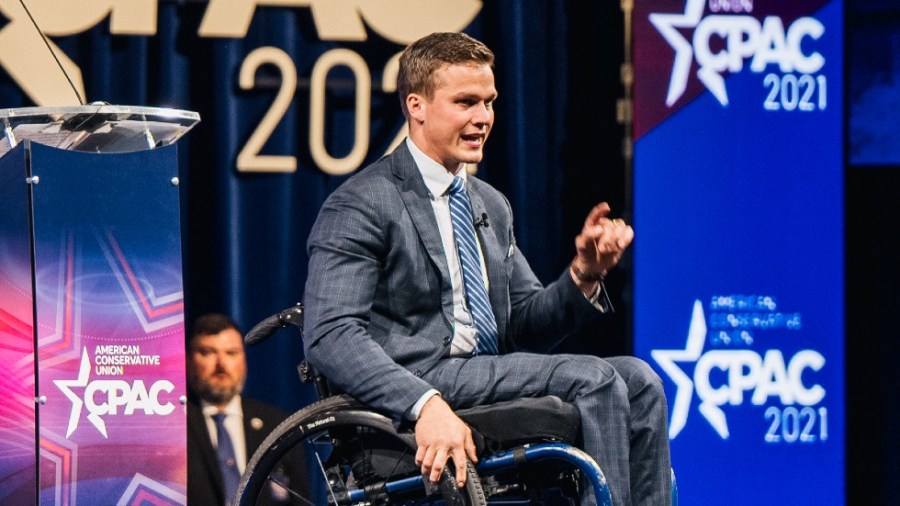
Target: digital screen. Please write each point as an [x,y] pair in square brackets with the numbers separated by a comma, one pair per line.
[738,212]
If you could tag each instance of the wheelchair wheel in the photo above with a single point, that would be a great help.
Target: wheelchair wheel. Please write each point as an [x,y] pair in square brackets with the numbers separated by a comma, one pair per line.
[354,457]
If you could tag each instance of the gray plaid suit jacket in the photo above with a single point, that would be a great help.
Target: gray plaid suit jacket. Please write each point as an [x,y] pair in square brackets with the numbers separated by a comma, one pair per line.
[378,299]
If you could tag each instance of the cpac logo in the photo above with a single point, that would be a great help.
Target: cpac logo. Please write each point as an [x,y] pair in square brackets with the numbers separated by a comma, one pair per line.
[106,397]
[743,37]
[744,370]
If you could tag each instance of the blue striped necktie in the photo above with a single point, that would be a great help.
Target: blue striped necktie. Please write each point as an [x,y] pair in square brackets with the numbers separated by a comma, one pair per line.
[470,261]
[231,477]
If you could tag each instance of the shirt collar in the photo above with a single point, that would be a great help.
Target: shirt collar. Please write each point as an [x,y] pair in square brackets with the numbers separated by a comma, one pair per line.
[232,408]
[437,178]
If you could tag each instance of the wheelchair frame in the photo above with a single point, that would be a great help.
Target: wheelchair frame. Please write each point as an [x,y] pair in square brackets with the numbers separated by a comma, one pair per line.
[343,411]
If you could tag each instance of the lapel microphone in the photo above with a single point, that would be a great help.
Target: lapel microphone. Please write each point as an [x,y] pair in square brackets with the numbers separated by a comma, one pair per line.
[482,221]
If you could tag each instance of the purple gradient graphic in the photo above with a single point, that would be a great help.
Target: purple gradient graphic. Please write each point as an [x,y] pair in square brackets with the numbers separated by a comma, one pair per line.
[109,309]
[17,453]
[17,414]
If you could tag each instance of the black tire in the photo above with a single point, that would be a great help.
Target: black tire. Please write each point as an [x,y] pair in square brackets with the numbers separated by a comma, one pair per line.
[471,494]
[347,446]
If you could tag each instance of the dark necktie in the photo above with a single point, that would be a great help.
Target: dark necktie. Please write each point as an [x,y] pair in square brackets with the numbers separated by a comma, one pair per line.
[231,477]
[470,261]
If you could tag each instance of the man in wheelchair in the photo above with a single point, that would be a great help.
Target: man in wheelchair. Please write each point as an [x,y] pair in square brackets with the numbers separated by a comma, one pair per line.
[419,303]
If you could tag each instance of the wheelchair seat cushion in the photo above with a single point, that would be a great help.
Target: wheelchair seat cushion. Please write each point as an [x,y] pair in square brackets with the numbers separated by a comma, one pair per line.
[527,420]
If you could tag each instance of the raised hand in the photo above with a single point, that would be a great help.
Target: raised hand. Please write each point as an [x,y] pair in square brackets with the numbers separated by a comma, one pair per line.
[600,245]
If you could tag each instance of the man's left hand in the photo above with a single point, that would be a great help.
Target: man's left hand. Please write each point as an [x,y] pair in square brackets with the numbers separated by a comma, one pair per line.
[599,246]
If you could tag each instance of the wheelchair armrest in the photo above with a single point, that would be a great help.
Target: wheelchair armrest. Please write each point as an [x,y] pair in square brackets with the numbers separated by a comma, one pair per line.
[309,374]
[264,329]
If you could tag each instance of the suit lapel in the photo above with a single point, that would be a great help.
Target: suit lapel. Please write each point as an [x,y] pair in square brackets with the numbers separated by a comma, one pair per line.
[418,203]
[254,429]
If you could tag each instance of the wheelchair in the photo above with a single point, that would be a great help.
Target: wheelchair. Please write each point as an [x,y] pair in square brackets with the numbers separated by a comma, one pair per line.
[358,456]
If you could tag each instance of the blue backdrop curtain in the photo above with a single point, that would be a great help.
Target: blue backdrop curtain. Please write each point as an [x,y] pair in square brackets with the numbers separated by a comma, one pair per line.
[554,151]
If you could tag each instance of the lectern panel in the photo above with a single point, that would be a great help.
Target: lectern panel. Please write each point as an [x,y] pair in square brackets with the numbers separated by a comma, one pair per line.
[109,309]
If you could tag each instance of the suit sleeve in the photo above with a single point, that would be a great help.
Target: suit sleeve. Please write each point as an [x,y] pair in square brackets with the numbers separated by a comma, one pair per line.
[347,249]
[541,317]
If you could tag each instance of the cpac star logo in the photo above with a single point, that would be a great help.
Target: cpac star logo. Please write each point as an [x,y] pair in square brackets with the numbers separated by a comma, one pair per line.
[721,43]
[668,25]
[742,370]
[113,394]
[691,352]
[66,387]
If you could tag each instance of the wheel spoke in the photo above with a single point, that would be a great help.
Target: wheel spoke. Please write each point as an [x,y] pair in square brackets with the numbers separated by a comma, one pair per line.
[325,476]
[280,482]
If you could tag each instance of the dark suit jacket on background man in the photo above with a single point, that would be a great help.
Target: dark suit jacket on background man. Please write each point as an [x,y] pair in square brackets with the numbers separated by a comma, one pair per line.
[204,477]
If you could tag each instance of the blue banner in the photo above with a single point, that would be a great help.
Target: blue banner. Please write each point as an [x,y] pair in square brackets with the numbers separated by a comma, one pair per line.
[738,206]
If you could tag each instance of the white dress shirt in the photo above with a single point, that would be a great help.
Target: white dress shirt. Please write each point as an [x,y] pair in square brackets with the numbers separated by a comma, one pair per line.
[438,180]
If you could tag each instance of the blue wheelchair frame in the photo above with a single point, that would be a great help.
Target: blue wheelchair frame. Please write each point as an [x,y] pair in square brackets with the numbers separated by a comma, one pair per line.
[490,464]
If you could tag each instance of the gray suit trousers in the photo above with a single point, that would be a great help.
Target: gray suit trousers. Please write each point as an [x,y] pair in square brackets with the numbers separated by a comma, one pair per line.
[621,401]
